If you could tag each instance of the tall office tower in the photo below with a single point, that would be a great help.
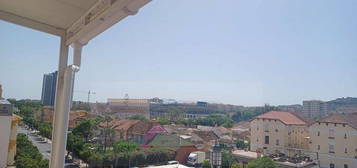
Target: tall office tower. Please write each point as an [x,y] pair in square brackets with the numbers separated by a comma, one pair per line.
[49,89]
[314,108]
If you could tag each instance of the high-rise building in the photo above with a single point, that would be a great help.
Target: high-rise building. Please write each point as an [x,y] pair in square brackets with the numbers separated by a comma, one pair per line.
[49,89]
[314,108]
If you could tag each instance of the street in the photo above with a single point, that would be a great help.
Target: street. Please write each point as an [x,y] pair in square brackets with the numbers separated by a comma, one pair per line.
[42,144]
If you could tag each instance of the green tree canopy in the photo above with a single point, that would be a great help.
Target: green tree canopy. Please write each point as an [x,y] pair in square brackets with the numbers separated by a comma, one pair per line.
[85,129]
[138,117]
[263,162]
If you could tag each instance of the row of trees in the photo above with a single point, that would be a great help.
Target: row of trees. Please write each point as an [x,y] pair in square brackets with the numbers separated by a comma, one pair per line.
[210,120]
[249,113]
[28,155]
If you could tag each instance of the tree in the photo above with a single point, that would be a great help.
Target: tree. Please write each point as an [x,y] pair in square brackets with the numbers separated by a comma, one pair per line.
[28,155]
[175,113]
[74,144]
[138,117]
[241,144]
[235,165]
[163,121]
[227,159]
[85,129]
[263,162]
[124,148]
[206,164]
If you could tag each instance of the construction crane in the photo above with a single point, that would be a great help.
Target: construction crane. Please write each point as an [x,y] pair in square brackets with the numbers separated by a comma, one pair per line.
[89,93]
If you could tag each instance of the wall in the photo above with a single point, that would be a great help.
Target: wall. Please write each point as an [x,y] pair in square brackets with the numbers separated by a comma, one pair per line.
[282,138]
[336,138]
[5,128]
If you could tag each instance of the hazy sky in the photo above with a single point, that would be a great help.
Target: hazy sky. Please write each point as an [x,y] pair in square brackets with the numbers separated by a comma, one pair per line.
[245,52]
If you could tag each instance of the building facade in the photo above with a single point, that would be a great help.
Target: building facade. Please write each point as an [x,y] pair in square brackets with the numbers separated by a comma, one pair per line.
[314,108]
[122,108]
[49,89]
[279,132]
[8,129]
[334,139]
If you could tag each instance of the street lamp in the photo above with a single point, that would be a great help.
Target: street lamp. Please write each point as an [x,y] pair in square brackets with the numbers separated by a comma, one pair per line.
[216,156]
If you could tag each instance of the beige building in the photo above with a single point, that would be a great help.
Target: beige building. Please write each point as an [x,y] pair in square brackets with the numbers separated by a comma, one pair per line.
[8,130]
[279,132]
[334,138]
[122,108]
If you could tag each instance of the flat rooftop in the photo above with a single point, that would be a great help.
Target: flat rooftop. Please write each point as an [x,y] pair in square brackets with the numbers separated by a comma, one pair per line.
[246,154]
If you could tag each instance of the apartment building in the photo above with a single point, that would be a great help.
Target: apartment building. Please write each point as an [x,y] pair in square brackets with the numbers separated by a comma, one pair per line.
[314,108]
[334,139]
[49,89]
[279,132]
[8,130]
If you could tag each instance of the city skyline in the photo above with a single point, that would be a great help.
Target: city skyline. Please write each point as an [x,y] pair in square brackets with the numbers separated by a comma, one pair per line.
[245,53]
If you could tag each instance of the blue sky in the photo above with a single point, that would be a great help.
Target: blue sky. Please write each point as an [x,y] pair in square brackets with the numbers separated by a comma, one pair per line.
[245,52]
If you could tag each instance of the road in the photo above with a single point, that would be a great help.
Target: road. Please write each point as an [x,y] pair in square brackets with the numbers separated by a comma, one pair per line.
[43,146]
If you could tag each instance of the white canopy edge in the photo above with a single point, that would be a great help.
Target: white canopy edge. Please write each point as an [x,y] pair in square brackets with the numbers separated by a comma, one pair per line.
[101,16]
[33,24]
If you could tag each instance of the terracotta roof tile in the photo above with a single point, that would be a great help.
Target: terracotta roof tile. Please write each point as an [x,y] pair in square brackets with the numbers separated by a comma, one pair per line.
[350,119]
[285,117]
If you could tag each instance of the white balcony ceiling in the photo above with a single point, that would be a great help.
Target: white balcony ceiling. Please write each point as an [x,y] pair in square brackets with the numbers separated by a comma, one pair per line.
[70,18]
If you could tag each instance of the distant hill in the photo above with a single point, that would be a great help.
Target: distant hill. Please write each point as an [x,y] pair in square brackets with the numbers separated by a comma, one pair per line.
[342,105]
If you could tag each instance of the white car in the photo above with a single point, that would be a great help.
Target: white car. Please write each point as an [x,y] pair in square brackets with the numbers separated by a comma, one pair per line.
[173,162]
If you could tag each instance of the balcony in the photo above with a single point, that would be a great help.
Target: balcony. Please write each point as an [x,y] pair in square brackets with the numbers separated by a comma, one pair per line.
[75,23]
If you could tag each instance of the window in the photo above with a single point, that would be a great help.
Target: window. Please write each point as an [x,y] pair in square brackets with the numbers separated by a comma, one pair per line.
[331,132]
[277,142]
[345,166]
[345,150]
[257,140]
[266,140]
[318,147]
[318,133]
[345,136]
[332,165]
[331,148]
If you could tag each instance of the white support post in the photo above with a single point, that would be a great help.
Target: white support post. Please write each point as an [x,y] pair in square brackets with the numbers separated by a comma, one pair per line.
[64,94]
[61,111]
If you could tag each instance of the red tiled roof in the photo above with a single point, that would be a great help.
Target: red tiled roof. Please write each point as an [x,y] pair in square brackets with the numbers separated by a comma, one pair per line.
[285,117]
[119,124]
[350,119]
[206,135]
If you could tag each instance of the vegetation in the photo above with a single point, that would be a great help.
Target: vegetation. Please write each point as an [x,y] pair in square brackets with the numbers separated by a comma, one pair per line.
[206,164]
[241,144]
[263,162]
[110,154]
[235,165]
[249,113]
[227,159]
[28,155]
[138,117]
[175,113]
[86,129]
[210,120]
